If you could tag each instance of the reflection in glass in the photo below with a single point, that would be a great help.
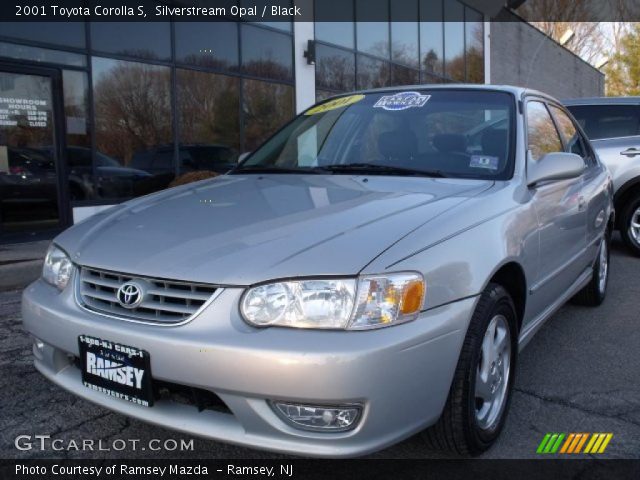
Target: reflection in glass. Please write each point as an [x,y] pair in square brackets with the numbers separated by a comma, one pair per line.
[404,32]
[431,32]
[373,37]
[150,40]
[70,34]
[474,31]
[266,53]
[207,44]
[37,54]
[28,180]
[339,33]
[541,133]
[266,107]
[454,40]
[81,179]
[266,6]
[404,76]
[208,110]
[132,104]
[335,68]
[372,73]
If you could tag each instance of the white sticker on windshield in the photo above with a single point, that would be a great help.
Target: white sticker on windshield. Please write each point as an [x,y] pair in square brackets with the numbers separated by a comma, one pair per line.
[484,161]
[402,101]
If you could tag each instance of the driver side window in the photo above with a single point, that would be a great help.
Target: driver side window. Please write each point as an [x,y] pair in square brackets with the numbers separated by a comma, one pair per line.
[542,135]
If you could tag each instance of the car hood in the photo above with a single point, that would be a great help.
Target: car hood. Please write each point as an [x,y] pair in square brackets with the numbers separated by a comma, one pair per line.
[244,229]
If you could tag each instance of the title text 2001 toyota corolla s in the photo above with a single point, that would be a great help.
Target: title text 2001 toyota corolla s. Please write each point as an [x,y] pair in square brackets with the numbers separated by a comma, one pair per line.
[368,273]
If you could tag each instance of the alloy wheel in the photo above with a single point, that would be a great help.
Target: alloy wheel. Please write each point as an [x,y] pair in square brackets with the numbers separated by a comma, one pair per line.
[492,376]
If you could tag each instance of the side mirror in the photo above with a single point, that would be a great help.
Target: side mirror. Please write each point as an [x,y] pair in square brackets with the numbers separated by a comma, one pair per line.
[242,156]
[554,166]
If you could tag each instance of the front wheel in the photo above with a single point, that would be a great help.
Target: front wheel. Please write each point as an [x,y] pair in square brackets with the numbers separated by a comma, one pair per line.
[480,394]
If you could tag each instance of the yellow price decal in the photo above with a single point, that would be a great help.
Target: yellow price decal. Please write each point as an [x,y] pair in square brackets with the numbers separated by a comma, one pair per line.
[335,103]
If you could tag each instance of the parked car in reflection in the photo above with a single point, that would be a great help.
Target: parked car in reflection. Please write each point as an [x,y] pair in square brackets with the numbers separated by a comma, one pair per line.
[613,126]
[192,157]
[28,186]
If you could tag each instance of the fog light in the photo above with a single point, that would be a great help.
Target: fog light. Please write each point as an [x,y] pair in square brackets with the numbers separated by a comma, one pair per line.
[323,418]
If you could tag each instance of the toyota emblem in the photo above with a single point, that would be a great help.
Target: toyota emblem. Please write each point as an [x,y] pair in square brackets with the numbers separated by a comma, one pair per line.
[129,295]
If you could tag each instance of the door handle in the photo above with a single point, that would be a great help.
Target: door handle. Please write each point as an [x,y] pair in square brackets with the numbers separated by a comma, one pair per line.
[631,152]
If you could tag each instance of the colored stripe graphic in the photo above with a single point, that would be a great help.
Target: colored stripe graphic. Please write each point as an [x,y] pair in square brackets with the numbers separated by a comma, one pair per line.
[573,443]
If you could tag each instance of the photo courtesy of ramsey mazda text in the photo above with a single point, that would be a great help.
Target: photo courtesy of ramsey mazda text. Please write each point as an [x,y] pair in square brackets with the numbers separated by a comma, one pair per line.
[368,273]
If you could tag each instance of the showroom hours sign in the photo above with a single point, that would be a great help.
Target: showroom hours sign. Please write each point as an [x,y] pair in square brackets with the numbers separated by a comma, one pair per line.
[31,112]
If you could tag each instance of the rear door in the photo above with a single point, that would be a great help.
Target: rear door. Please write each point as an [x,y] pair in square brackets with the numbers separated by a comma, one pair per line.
[595,195]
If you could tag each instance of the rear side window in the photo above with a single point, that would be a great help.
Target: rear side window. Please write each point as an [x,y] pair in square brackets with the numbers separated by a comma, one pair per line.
[541,132]
[608,121]
[572,138]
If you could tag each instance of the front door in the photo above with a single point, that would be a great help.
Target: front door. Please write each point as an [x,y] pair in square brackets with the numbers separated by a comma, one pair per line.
[561,212]
[32,203]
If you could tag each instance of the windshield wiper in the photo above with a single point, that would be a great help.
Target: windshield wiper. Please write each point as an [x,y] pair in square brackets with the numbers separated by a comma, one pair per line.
[376,169]
[272,169]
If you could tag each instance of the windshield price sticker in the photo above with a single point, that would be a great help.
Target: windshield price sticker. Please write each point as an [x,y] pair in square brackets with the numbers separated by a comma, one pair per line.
[334,104]
[402,101]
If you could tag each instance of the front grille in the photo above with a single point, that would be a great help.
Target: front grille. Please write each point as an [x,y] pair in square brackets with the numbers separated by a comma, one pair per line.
[164,301]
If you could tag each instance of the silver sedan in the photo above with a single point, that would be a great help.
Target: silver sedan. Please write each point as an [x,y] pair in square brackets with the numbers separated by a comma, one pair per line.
[371,271]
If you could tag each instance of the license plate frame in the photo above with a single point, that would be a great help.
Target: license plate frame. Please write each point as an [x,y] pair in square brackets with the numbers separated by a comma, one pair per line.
[117,370]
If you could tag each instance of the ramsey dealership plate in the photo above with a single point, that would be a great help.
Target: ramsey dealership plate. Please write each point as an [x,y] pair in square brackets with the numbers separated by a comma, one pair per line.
[117,370]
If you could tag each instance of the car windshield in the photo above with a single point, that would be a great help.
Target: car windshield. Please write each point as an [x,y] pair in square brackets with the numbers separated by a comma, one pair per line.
[441,133]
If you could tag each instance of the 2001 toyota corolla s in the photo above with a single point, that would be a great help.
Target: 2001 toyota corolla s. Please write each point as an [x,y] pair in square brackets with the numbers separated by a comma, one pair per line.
[369,272]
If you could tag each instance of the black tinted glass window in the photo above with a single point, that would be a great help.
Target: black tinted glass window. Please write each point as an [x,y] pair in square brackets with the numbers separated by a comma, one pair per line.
[474,45]
[70,34]
[340,33]
[431,36]
[150,40]
[133,126]
[335,68]
[266,106]
[266,53]
[608,121]
[404,32]
[208,44]
[454,40]
[373,37]
[372,73]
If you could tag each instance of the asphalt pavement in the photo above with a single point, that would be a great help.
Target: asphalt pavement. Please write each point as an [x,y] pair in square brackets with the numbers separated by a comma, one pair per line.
[580,373]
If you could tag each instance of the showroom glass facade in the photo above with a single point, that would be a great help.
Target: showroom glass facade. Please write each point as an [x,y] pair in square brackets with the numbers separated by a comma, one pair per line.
[411,42]
[144,103]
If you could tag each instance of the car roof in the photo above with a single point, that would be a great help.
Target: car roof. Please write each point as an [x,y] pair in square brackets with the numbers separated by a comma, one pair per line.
[603,101]
[518,92]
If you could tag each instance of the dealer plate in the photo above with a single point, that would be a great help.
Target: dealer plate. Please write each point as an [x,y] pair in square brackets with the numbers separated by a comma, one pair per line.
[117,370]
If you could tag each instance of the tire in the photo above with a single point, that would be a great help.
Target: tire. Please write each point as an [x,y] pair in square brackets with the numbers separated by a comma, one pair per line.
[595,292]
[462,429]
[629,216]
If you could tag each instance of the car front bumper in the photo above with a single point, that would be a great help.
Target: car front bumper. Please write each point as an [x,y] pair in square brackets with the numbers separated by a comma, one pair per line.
[401,375]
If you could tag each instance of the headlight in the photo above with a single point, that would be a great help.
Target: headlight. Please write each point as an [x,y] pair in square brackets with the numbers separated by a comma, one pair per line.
[57,267]
[367,302]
